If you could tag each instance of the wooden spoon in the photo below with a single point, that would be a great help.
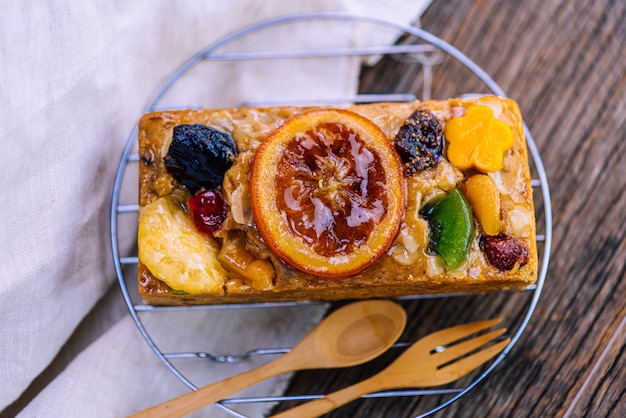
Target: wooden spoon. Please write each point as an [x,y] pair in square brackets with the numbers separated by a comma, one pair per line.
[351,335]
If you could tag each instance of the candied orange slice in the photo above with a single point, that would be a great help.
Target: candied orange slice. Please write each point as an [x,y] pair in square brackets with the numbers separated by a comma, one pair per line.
[327,192]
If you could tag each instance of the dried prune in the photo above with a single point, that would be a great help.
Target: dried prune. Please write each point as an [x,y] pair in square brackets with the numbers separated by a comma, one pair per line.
[504,251]
[199,156]
[419,141]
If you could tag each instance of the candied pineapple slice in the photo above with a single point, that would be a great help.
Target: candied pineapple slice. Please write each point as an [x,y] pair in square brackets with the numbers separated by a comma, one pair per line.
[176,252]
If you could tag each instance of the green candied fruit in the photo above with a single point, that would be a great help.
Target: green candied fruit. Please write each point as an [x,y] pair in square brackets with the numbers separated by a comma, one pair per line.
[451,227]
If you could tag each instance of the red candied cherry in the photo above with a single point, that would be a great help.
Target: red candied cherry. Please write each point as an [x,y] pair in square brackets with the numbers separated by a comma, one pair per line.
[208,210]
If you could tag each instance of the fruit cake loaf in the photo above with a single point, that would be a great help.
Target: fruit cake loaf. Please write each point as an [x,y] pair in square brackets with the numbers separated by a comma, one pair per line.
[373,200]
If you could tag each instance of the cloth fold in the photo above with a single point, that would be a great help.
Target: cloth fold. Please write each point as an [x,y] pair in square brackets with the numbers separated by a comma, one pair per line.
[75,78]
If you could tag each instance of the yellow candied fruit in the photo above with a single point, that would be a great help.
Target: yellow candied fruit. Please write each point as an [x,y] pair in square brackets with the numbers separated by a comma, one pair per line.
[478,140]
[164,184]
[177,253]
[234,257]
[261,274]
[484,198]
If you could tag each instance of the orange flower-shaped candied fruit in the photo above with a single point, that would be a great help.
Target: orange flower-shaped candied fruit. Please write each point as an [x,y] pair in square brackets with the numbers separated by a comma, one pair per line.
[478,140]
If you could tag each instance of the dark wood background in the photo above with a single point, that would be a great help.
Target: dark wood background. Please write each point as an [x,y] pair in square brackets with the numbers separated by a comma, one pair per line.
[565,64]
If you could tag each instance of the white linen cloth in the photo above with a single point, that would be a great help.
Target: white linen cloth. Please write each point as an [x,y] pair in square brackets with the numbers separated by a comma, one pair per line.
[74,79]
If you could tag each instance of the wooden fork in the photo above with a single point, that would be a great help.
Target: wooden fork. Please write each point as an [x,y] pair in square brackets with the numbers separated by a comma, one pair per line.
[433,360]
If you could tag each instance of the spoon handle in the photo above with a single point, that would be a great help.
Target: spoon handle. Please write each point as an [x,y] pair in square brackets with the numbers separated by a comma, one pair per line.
[192,401]
[331,401]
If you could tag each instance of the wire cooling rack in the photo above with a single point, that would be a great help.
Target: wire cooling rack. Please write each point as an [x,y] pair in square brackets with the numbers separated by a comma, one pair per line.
[427,52]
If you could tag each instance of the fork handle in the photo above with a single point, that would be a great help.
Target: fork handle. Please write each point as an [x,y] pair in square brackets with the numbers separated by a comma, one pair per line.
[331,401]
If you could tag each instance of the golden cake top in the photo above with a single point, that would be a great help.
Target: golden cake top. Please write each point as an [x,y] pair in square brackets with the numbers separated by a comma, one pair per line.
[417,190]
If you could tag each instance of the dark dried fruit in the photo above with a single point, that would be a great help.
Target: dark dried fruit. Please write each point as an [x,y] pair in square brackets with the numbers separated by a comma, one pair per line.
[199,156]
[208,210]
[420,141]
[503,251]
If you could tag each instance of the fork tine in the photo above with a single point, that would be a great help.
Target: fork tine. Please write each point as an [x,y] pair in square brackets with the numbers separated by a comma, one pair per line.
[460,368]
[465,347]
[449,335]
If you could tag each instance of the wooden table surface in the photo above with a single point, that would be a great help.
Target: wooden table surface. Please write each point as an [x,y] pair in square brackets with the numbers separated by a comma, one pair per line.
[565,64]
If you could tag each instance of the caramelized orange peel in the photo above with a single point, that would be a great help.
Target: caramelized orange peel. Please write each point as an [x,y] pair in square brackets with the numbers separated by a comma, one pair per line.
[478,140]
[327,192]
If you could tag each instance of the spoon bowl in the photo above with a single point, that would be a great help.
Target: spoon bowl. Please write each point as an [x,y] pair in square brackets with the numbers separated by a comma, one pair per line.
[351,335]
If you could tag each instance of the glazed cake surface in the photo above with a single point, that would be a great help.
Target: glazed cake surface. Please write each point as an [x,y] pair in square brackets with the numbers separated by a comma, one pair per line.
[409,266]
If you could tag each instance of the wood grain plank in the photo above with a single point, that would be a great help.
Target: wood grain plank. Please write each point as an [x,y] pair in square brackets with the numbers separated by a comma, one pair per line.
[608,393]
